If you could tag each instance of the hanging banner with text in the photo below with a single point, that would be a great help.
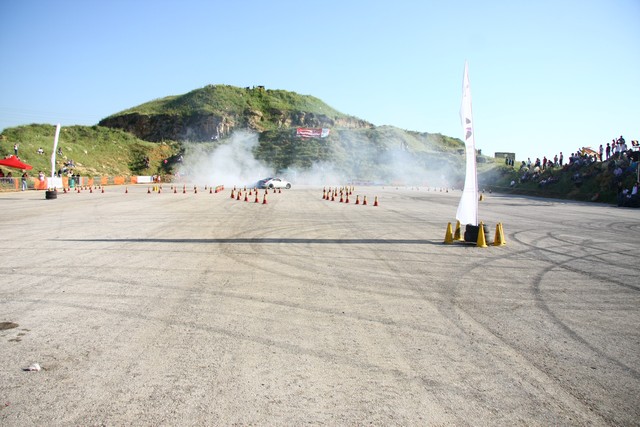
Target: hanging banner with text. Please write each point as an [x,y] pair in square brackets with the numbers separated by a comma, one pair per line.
[312,132]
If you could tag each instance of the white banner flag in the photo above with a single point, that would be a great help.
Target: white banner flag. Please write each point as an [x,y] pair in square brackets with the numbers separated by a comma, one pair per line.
[468,207]
[53,152]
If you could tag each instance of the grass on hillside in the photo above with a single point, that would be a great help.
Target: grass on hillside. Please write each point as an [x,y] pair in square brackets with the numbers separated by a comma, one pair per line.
[95,150]
[225,100]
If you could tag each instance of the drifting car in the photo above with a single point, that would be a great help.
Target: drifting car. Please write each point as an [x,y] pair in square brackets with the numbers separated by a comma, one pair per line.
[274,183]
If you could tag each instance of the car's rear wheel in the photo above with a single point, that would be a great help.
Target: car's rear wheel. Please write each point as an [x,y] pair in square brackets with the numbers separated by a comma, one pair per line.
[270,186]
[288,186]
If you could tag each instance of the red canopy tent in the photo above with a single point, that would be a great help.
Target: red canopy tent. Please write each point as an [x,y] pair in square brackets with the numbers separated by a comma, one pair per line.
[14,162]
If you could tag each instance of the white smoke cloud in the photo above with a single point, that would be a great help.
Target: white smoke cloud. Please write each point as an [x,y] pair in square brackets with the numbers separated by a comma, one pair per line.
[319,174]
[230,164]
[385,161]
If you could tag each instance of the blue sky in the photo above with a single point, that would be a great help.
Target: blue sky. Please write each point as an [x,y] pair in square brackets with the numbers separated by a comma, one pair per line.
[546,76]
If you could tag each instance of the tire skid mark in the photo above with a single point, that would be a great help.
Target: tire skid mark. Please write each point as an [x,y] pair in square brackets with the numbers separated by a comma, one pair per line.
[456,313]
[414,364]
[542,304]
[420,293]
[543,255]
[289,348]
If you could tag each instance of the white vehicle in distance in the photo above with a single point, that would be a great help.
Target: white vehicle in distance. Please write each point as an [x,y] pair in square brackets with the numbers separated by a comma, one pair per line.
[274,183]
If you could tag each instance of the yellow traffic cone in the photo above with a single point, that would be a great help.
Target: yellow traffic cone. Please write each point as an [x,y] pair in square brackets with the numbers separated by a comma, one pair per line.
[448,237]
[499,239]
[457,235]
[481,243]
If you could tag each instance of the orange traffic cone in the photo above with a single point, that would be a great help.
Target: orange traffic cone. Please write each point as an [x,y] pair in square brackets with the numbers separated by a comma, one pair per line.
[341,198]
[346,200]
[264,201]
[175,190]
[126,190]
[357,199]
[364,200]
[246,197]
[148,190]
[257,200]
[239,195]
[210,190]
[375,201]
[195,190]
[233,194]
[324,194]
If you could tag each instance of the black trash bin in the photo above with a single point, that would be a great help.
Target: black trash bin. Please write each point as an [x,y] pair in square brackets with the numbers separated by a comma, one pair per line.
[471,233]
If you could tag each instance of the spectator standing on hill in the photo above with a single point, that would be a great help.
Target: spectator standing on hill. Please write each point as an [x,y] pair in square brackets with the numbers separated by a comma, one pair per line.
[608,150]
[24,181]
[560,158]
[15,149]
[555,160]
[617,149]
[601,150]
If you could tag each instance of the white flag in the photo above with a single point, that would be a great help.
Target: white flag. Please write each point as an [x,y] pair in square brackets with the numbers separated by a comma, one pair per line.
[468,207]
[53,152]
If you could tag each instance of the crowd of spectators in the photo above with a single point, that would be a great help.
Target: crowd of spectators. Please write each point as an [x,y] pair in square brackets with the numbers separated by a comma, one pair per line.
[621,161]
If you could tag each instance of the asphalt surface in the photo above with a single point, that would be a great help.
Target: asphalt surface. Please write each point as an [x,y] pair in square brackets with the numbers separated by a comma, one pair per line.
[198,309]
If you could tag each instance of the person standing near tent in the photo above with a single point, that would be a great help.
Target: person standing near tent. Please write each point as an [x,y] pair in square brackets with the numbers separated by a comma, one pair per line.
[15,149]
[24,181]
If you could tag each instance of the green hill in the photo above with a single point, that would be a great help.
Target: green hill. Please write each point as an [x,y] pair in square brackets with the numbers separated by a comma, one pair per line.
[225,99]
[95,150]
[164,128]
[215,111]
